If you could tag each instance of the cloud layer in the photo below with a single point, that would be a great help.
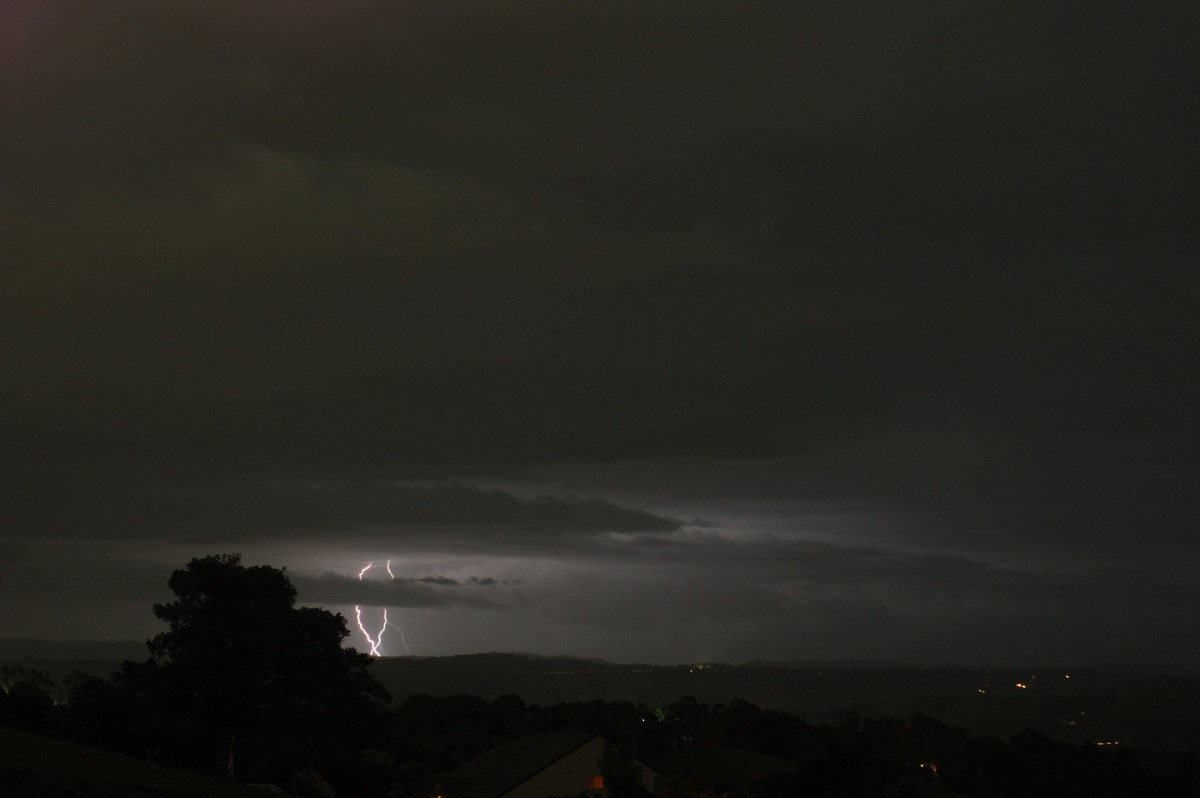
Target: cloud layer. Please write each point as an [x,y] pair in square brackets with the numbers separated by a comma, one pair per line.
[759,322]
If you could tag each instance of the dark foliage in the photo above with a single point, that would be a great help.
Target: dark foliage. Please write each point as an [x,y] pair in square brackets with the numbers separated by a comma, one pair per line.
[27,700]
[254,674]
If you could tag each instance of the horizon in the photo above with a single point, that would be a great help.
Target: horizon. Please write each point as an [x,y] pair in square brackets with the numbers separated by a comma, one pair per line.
[1131,666]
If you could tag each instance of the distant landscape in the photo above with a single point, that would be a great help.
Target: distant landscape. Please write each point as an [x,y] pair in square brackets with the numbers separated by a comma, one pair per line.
[1133,705]
[77,721]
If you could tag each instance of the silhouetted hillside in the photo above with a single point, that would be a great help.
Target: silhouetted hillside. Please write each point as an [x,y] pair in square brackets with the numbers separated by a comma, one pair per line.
[1150,706]
[1120,705]
[105,650]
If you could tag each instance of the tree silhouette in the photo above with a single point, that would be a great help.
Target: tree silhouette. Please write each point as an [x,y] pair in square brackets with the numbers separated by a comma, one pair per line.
[243,663]
[26,699]
[622,775]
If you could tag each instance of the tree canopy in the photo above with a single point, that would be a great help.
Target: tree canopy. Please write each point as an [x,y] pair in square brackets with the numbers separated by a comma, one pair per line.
[241,659]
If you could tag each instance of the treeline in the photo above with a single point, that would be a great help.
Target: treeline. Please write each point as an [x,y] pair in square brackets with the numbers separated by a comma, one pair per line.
[246,685]
[412,751]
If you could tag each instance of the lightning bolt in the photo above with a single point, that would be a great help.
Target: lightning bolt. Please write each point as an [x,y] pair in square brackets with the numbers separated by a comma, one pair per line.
[372,642]
[376,641]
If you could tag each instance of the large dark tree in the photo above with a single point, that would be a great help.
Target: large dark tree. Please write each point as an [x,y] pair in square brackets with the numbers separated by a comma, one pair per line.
[243,663]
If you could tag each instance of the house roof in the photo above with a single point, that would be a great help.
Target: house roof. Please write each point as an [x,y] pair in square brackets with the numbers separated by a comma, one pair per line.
[495,772]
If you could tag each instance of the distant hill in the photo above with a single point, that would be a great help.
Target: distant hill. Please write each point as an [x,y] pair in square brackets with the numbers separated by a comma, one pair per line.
[59,658]
[804,688]
[1153,707]
[115,651]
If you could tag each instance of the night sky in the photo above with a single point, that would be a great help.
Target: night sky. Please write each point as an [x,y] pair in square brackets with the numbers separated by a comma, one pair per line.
[651,331]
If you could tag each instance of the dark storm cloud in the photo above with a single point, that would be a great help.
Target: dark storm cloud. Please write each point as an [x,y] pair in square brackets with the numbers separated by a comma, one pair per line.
[817,566]
[325,238]
[12,551]
[919,275]
[872,600]
[86,574]
[619,91]
[427,593]
[437,580]
[225,513]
